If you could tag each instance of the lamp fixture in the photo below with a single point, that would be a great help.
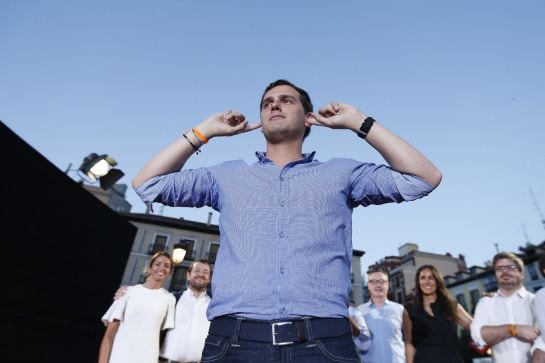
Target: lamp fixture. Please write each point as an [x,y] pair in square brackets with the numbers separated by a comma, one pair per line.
[100,167]
[178,254]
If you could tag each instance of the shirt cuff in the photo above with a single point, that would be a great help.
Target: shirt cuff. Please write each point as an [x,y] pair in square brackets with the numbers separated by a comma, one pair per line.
[476,335]
[539,343]
[149,190]
[411,187]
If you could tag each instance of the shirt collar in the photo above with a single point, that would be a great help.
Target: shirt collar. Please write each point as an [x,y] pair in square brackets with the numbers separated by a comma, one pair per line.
[263,159]
[191,294]
[522,293]
[371,303]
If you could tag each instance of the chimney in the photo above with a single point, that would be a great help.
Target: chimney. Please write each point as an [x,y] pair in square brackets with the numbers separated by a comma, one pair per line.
[209,218]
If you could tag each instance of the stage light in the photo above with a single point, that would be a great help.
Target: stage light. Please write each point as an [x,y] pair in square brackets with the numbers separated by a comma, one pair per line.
[100,167]
[178,254]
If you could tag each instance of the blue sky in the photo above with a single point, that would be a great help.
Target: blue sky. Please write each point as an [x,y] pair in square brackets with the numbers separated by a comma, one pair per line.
[463,81]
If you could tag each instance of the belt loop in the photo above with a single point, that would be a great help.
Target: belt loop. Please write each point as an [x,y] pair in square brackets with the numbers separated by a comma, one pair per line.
[234,341]
[308,328]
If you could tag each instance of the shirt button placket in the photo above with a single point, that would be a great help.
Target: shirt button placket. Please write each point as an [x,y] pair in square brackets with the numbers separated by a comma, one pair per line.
[283,244]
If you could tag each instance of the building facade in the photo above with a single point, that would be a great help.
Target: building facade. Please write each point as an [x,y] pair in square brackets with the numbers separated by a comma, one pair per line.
[468,286]
[159,233]
[402,269]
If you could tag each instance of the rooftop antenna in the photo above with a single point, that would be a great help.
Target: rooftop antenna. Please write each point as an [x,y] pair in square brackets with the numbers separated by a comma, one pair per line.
[537,207]
[525,233]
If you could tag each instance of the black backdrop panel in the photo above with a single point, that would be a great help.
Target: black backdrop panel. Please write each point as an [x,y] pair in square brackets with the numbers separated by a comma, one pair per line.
[63,256]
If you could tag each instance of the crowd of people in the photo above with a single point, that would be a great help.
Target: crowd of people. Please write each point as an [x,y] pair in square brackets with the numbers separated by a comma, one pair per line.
[509,321]
[281,286]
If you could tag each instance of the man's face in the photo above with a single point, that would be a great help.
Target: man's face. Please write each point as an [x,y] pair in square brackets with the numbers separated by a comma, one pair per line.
[199,277]
[377,284]
[508,274]
[282,114]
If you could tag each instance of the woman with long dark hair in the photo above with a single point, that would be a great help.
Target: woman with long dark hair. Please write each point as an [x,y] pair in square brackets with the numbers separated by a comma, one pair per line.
[434,316]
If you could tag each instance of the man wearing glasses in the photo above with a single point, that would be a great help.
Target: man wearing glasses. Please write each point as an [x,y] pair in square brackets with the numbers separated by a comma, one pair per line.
[505,321]
[386,320]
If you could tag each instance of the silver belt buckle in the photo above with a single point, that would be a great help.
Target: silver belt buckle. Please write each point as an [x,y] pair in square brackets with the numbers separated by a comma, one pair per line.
[273,329]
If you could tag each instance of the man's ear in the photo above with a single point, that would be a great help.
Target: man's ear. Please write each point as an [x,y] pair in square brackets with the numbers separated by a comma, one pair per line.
[309,116]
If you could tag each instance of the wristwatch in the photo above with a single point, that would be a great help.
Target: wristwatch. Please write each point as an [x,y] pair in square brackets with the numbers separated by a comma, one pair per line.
[512,329]
[365,127]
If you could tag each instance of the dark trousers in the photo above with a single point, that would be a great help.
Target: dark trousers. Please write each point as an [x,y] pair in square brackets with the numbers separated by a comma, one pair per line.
[232,349]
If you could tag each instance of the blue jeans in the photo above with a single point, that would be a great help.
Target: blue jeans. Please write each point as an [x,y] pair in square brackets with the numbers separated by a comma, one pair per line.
[229,350]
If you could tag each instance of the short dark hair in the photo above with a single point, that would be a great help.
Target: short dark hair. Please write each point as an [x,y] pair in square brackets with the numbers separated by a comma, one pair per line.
[190,268]
[303,97]
[542,264]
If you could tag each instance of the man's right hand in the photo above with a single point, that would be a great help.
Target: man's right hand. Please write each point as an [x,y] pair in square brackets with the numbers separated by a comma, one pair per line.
[226,123]
[120,292]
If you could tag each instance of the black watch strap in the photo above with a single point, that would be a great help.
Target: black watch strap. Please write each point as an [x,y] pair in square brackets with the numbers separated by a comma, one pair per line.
[365,127]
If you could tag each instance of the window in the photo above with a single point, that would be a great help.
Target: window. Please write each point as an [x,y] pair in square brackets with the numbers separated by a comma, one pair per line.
[214,247]
[179,278]
[159,244]
[532,271]
[188,245]
[475,296]
[461,298]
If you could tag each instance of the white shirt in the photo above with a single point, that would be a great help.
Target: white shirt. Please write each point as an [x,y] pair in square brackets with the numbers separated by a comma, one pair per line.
[361,341]
[539,311]
[503,310]
[385,324]
[185,342]
[539,304]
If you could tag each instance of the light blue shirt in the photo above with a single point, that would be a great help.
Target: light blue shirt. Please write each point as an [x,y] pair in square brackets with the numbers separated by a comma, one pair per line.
[385,325]
[285,233]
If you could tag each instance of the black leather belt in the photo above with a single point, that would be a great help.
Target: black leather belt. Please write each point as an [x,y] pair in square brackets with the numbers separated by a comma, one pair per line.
[282,332]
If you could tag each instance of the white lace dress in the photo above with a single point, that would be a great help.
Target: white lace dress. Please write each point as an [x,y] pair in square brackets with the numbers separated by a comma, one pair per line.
[143,313]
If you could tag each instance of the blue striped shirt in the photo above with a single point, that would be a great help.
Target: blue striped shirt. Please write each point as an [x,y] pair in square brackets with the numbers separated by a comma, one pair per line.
[285,233]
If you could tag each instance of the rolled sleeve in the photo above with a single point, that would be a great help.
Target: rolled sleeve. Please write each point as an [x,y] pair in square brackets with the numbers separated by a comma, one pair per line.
[186,188]
[479,320]
[411,187]
[149,191]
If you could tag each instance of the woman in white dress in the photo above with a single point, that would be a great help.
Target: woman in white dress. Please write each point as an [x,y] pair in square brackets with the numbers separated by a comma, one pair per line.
[134,322]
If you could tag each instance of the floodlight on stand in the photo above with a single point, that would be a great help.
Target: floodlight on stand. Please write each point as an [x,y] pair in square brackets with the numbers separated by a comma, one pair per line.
[96,166]
[178,255]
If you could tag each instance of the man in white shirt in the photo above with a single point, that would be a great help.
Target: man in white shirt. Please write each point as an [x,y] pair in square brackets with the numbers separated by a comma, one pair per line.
[385,320]
[506,321]
[539,304]
[184,343]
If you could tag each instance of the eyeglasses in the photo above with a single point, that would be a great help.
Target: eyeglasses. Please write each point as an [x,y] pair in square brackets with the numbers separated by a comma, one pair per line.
[506,268]
[378,282]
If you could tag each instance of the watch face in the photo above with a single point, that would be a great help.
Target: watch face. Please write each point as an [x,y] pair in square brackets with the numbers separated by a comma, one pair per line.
[366,125]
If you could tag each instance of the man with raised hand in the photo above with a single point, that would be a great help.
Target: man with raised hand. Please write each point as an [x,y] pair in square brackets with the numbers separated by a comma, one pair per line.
[282,274]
